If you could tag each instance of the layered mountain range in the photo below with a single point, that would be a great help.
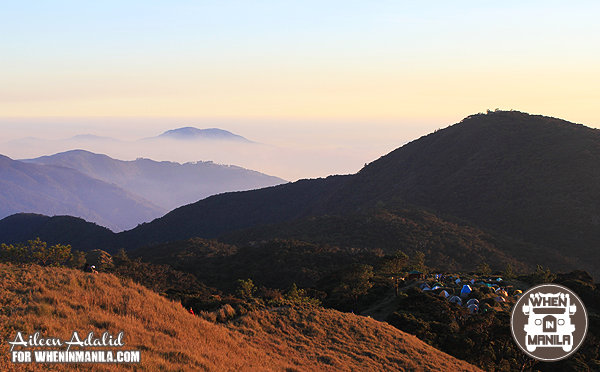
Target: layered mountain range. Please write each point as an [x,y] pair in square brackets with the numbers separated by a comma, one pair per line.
[167,184]
[526,179]
[120,194]
[57,190]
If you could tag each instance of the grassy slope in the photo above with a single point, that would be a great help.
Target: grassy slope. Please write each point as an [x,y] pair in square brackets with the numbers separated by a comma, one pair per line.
[58,301]
[336,341]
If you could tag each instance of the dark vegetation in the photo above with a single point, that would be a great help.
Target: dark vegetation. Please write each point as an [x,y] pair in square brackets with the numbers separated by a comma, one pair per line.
[38,253]
[273,264]
[453,246]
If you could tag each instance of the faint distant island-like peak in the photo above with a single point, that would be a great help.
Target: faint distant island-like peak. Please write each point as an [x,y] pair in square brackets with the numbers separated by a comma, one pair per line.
[191,133]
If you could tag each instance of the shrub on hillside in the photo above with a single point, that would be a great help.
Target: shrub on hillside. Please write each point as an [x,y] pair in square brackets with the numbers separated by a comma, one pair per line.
[36,252]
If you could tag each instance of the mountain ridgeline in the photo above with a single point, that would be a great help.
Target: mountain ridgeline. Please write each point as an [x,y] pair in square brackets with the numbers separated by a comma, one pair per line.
[533,178]
[167,184]
[57,190]
[525,178]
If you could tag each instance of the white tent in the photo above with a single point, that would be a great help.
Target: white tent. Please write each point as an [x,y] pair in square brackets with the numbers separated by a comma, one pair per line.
[473,301]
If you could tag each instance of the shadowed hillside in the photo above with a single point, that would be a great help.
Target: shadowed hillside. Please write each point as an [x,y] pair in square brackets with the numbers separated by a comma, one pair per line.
[453,246]
[218,214]
[532,177]
[306,251]
[81,235]
[58,301]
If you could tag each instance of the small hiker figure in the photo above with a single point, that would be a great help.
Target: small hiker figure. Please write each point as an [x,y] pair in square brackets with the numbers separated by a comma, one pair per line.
[90,268]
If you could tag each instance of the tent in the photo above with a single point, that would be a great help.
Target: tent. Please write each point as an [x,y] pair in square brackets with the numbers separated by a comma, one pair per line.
[457,281]
[473,308]
[425,287]
[517,294]
[444,293]
[500,299]
[436,287]
[473,301]
[502,292]
[466,289]
[456,300]
[415,275]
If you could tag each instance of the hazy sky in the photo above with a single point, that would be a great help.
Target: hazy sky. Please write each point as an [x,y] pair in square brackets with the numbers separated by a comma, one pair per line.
[306,73]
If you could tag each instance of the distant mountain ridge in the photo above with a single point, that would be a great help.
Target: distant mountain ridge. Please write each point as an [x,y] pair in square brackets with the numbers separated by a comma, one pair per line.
[187,144]
[55,190]
[184,133]
[167,184]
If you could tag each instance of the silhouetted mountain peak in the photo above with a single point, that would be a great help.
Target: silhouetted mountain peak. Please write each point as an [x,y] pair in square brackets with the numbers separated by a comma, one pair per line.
[191,133]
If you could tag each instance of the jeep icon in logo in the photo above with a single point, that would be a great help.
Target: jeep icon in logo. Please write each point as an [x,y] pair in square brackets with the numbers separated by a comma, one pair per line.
[549,322]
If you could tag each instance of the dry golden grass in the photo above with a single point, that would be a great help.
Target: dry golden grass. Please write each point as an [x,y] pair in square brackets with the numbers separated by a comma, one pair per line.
[334,341]
[59,301]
